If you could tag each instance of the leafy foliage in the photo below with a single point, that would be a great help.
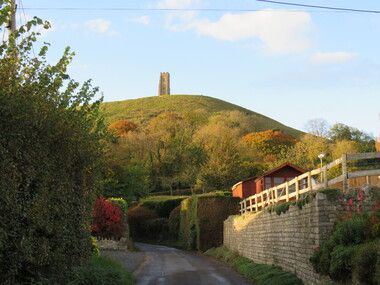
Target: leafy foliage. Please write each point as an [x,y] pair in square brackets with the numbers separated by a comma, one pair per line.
[269,142]
[123,127]
[352,251]
[51,146]
[108,220]
[202,217]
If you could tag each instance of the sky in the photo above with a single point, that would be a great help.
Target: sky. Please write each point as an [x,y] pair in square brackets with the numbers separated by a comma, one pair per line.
[290,63]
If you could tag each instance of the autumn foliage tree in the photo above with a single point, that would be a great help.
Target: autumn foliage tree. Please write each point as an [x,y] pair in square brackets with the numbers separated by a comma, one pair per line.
[268,143]
[122,127]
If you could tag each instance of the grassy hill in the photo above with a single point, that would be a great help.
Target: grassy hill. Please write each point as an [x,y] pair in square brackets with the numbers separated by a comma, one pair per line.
[143,109]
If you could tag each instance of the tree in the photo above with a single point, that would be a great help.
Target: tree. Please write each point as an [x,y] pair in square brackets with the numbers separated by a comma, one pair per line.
[318,127]
[339,132]
[269,143]
[305,152]
[221,168]
[51,148]
[122,127]
[343,146]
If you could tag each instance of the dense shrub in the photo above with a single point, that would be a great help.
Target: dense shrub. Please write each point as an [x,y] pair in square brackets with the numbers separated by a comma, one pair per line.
[51,147]
[101,270]
[352,251]
[202,218]
[174,221]
[108,220]
[121,204]
[137,218]
[365,260]
[162,207]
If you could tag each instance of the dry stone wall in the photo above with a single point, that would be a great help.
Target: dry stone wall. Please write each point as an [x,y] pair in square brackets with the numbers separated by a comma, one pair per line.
[287,240]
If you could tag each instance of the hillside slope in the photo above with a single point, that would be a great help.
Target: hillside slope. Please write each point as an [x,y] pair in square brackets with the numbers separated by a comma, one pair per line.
[143,109]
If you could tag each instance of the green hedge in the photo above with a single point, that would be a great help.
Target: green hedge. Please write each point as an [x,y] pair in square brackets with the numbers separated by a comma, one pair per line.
[202,218]
[174,222]
[121,203]
[51,147]
[162,207]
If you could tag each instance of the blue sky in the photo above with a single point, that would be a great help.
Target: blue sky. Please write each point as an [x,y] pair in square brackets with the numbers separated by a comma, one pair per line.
[289,63]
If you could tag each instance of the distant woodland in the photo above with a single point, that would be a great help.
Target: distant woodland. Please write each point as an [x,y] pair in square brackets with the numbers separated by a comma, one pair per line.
[196,150]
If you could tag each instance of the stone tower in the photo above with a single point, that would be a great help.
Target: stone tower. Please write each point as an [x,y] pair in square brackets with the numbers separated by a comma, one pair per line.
[164,84]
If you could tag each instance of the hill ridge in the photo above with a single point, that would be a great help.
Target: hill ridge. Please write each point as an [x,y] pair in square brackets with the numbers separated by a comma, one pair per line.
[143,109]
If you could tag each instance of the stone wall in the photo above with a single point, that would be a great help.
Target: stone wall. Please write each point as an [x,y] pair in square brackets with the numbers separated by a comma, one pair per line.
[287,240]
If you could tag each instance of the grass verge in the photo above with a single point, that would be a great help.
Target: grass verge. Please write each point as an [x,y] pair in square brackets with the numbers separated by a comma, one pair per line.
[260,274]
[103,271]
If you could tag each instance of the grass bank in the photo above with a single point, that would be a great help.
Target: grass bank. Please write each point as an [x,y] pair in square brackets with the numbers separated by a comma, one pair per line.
[260,274]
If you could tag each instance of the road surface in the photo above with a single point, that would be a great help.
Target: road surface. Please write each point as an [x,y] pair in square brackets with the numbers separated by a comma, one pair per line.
[170,266]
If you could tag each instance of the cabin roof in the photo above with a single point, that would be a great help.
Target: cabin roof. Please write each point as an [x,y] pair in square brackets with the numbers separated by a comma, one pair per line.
[282,166]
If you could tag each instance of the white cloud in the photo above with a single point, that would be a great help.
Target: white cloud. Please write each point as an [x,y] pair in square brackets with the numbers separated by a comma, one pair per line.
[142,20]
[280,31]
[100,26]
[331,57]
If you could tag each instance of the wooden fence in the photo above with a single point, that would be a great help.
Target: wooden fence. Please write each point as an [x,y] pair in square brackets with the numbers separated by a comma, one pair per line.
[291,190]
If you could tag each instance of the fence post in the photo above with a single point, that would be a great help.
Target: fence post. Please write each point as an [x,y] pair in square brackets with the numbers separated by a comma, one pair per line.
[309,184]
[287,191]
[276,193]
[256,207]
[297,189]
[344,172]
[325,178]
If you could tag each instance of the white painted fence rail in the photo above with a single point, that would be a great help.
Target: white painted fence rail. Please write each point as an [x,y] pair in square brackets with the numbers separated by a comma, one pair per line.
[291,190]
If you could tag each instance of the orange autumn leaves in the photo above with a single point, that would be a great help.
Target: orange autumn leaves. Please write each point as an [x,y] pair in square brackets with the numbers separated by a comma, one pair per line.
[268,143]
[122,127]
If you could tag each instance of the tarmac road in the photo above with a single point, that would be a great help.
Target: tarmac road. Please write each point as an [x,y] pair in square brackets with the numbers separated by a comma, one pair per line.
[170,266]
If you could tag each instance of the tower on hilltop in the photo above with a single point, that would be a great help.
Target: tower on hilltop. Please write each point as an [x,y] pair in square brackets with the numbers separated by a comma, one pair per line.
[164,84]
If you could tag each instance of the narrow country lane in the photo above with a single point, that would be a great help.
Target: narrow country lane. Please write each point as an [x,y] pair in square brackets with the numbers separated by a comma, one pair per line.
[170,266]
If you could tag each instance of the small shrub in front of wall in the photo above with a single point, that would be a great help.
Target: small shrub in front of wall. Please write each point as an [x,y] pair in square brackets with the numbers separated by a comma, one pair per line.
[108,220]
[260,274]
[353,250]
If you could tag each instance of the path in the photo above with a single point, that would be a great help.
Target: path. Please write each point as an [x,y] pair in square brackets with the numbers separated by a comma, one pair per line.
[170,266]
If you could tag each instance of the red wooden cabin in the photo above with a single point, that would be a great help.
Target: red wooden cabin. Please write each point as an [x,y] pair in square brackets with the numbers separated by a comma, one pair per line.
[274,177]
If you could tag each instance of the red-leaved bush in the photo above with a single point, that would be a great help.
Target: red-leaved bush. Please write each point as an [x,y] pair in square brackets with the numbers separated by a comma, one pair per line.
[108,220]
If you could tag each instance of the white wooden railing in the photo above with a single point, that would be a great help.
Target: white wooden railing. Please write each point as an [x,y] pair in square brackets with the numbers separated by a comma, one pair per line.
[291,190]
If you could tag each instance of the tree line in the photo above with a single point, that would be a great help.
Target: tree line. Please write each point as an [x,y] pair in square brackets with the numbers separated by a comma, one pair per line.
[180,150]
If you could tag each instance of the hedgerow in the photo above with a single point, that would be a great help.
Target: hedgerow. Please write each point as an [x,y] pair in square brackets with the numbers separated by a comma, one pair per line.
[202,217]
[51,146]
